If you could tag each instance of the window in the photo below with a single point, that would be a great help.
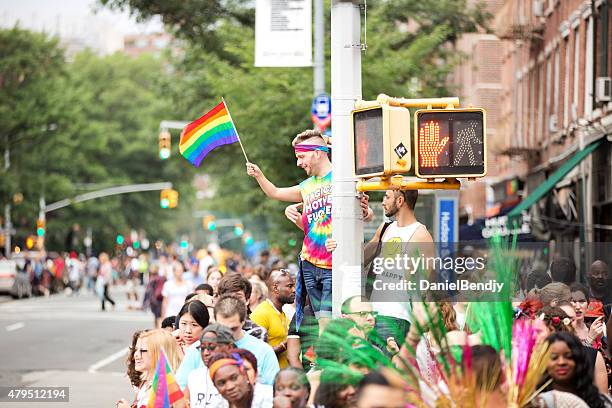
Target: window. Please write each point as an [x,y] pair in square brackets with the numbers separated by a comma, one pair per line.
[574,110]
[566,83]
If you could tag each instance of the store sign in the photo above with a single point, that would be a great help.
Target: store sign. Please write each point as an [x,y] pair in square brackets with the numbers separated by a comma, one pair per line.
[501,226]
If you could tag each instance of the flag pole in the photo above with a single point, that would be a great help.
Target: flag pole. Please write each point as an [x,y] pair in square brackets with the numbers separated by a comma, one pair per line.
[239,141]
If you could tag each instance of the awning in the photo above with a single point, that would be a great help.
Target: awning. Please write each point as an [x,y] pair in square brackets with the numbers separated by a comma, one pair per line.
[553,179]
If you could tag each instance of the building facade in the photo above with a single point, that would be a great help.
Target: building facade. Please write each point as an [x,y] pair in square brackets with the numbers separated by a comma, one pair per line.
[550,124]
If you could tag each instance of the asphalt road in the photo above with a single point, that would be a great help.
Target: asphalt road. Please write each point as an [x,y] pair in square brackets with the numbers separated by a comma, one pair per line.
[67,341]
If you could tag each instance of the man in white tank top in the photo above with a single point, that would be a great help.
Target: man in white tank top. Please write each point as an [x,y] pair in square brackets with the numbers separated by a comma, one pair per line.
[394,316]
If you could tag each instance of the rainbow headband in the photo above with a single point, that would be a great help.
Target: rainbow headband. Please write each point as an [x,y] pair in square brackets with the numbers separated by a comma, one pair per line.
[310,148]
[222,363]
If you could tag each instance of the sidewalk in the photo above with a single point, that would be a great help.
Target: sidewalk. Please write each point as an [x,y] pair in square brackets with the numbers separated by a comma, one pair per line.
[101,389]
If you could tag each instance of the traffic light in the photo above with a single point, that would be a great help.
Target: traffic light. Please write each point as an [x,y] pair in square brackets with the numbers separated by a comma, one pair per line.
[238,229]
[164,198]
[168,198]
[40,227]
[450,143]
[173,198]
[29,242]
[208,222]
[381,141]
[119,240]
[164,144]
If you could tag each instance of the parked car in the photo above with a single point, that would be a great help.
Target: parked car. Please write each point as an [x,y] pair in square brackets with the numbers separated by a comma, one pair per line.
[14,280]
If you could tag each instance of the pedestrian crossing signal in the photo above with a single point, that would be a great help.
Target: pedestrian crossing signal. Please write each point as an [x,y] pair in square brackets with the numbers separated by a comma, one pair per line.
[381,141]
[450,143]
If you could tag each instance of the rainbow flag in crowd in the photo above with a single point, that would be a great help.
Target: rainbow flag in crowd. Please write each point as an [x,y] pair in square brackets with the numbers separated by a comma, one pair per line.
[164,390]
[212,130]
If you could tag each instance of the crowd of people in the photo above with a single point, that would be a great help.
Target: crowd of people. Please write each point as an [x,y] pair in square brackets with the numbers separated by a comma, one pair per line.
[233,342]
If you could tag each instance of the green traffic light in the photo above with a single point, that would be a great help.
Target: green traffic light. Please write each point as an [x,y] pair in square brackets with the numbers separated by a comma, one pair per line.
[136,244]
[164,153]
[40,231]
[184,244]
[212,226]
[120,239]
[164,203]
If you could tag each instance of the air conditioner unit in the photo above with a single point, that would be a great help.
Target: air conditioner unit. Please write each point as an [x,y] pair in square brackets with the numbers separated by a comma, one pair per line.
[538,8]
[603,89]
[552,123]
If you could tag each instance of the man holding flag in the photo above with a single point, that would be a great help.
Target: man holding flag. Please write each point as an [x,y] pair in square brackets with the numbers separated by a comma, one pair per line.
[315,193]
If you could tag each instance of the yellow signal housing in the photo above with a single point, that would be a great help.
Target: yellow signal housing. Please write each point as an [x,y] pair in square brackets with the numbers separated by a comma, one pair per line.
[381,141]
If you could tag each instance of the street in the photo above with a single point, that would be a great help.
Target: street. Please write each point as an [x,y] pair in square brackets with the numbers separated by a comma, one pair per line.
[67,341]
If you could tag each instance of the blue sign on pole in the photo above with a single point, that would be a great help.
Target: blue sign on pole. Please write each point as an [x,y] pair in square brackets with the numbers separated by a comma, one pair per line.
[446,233]
[321,111]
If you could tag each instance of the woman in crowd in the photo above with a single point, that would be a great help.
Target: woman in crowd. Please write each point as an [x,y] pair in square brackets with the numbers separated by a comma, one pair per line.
[229,376]
[571,372]
[334,391]
[132,373]
[174,291]
[192,319]
[250,363]
[555,320]
[214,277]
[291,388]
[590,336]
[258,294]
[146,354]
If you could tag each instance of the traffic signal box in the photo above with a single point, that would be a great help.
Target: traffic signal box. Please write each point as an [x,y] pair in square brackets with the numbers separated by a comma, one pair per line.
[381,141]
[168,198]
[450,143]
[40,227]
[446,143]
[164,144]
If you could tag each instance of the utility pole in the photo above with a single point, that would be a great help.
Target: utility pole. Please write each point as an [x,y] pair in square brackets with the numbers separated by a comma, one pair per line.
[347,223]
[7,207]
[319,49]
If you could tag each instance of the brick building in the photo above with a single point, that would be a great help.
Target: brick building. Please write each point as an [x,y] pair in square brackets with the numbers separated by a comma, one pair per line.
[554,134]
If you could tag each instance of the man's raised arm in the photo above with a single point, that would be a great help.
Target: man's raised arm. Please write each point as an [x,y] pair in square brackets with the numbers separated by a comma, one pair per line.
[291,194]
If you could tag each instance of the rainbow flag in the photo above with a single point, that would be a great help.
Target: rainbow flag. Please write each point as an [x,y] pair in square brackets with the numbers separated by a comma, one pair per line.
[212,130]
[164,390]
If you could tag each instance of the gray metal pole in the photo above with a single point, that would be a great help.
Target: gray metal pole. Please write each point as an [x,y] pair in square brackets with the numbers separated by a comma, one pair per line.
[319,48]
[347,224]
[7,231]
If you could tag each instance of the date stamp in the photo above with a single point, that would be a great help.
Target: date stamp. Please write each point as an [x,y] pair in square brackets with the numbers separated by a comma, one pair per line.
[31,394]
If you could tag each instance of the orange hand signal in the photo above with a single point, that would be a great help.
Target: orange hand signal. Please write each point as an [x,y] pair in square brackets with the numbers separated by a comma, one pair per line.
[430,144]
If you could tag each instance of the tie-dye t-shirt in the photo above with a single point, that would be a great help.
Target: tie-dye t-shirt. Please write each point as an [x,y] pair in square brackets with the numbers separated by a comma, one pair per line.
[317,219]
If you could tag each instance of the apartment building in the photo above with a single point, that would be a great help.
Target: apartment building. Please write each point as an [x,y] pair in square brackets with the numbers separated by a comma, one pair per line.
[556,115]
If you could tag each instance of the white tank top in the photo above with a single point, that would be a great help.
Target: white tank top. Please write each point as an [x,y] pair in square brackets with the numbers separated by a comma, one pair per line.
[398,310]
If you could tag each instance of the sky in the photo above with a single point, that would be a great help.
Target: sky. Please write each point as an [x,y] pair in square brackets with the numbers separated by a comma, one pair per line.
[74,19]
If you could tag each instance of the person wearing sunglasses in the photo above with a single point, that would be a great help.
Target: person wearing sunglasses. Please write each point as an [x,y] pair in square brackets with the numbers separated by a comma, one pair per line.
[200,390]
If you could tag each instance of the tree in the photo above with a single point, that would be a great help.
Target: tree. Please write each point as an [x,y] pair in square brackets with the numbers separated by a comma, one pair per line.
[409,54]
[81,126]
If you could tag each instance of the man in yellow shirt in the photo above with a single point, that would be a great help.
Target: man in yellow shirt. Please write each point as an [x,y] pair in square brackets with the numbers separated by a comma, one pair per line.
[270,315]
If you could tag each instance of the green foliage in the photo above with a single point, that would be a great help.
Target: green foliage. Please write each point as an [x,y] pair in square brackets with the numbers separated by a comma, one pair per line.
[97,128]
[92,122]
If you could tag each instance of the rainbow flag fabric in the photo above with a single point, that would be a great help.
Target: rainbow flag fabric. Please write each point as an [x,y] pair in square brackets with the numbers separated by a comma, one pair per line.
[164,390]
[202,136]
